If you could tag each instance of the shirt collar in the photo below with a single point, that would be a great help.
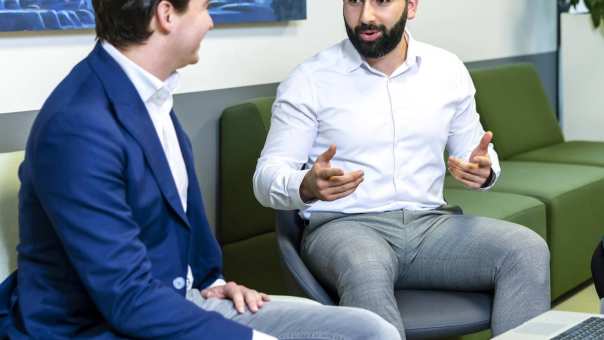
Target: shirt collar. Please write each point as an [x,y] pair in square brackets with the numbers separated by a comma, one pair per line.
[353,60]
[148,86]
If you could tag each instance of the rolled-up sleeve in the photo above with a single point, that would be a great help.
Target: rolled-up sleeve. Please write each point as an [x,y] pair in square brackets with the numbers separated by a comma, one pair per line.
[279,172]
[466,131]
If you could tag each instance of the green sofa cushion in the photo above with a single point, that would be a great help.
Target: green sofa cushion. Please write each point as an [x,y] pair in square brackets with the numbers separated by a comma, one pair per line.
[523,210]
[578,152]
[245,229]
[254,262]
[573,195]
[243,130]
[512,103]
[9,205]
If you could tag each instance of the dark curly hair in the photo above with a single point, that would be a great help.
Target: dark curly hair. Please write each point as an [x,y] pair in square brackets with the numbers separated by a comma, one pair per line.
[126,22]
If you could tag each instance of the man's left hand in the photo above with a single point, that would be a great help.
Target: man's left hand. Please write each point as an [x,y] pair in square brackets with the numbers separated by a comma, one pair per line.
[240,295]
[475,173]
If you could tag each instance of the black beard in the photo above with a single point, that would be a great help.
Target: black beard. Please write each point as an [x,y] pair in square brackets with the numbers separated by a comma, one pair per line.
[389,40]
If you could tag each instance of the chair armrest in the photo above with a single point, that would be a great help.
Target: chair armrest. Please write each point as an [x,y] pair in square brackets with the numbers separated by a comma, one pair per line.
[289,230]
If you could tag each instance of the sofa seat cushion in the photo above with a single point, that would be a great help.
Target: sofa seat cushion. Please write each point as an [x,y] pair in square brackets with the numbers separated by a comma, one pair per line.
[574,199]
[523,210]
[577,152]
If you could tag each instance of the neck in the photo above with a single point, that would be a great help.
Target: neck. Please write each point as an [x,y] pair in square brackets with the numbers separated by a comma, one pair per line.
[158,65]
[393,60]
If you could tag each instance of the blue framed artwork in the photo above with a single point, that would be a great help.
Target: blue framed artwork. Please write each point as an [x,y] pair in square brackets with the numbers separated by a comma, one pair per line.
[237,11]
[40,15]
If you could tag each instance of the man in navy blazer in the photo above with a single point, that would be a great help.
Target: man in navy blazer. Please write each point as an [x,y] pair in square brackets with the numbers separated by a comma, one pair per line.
[114,241]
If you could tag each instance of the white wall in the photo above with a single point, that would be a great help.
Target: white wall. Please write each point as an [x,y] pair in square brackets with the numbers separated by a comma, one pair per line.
[488,29]
[31,64]
[582,72]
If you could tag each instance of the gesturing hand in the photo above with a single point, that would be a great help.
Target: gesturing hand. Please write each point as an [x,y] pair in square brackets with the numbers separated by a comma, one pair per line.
[240,295]
[325,183]
[475,173]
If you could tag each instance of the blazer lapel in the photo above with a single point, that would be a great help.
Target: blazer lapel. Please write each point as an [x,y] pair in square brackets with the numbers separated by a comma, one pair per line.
[132,113]
[187,154]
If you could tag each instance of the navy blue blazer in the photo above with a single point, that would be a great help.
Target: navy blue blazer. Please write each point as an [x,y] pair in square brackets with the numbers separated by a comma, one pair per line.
[104,240]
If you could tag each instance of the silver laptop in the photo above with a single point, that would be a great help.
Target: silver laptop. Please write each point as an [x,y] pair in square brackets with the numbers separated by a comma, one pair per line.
[557,325]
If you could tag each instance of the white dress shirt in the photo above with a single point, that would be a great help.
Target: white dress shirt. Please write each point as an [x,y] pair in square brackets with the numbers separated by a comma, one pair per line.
[158,99]
[395,128]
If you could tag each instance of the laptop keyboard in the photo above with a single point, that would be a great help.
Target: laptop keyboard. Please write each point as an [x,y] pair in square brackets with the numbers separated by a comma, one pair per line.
[592,328]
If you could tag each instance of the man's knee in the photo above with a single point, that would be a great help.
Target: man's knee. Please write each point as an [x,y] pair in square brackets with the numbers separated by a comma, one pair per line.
[366,266]
[529,254]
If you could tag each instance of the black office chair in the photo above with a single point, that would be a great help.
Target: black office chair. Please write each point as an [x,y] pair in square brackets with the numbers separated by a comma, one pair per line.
[425,313]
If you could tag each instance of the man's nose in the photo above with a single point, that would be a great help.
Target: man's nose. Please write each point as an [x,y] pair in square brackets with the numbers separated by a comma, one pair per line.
[368,13]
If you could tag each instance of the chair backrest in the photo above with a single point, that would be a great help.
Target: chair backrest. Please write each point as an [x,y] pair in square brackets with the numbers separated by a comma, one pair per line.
[512,103]
[245,229]
[9,204]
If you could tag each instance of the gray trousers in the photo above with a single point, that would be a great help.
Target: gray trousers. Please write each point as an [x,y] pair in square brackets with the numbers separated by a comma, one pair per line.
[365,257]
[303,319]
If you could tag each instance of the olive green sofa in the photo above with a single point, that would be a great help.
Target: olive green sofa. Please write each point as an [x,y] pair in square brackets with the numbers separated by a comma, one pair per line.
[247,230]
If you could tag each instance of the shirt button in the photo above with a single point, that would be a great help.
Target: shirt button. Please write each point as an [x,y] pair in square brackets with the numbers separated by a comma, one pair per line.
[178,283]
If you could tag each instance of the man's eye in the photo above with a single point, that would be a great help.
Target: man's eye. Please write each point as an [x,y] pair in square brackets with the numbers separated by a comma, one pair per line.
[354,2]
[383,2]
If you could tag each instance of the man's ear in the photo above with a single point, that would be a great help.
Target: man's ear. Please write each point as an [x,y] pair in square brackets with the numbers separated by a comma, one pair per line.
[412,8]
[163,20]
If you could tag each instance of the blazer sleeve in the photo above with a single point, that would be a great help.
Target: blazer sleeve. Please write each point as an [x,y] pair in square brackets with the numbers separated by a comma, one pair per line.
[78,165]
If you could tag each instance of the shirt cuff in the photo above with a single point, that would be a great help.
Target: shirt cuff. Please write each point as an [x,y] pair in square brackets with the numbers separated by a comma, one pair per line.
[293,190]
[219,282]
[490,181]
[262,336]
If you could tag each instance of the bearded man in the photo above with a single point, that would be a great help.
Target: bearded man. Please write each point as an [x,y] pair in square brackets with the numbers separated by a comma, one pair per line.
[375,213]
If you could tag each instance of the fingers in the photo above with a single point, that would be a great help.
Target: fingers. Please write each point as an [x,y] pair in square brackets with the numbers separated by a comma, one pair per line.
[251,299]
[345,187]
[326,156]
[344,179]
[341,195]
[482,161]
[471,177]
[477,163]
[461,164]
[234,292]
[327,173]
[213,293]
[242,297]
[330,191]
[469,169]
[239,301]
[461,175]
[485,141]
[262,299]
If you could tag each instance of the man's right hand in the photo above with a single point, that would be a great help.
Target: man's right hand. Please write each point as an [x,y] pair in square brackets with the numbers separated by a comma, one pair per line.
[325,183]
